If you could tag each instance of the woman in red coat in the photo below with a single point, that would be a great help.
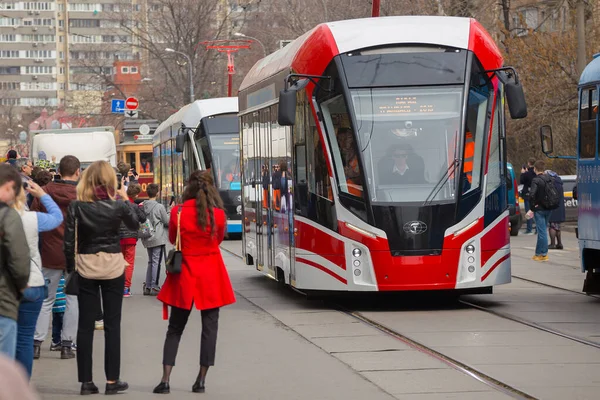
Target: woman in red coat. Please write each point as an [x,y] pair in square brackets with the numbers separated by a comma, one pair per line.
[203,281]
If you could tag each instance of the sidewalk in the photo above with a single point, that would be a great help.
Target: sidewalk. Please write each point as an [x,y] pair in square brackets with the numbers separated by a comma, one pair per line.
[257,357]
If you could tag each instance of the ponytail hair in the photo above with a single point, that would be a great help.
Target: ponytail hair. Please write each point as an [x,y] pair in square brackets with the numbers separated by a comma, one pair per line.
[201,187]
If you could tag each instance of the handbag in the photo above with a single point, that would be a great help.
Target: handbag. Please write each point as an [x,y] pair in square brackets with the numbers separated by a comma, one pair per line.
[175,257]
[72,279]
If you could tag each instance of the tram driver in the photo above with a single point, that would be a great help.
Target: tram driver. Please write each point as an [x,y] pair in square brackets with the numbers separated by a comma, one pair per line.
[401,166]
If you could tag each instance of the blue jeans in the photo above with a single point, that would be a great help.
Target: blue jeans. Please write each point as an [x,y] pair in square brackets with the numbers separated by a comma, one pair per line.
[529,221]
[29,310]
[8,336]
[542,219]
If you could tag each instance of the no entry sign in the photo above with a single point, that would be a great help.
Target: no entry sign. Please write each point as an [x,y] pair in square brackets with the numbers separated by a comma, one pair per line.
[132,103]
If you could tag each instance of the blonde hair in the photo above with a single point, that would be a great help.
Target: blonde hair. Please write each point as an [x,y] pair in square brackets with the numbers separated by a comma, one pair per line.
[98,175]
[20,203]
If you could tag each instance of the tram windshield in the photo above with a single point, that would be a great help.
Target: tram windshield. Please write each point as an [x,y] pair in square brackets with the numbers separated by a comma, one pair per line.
[225,159]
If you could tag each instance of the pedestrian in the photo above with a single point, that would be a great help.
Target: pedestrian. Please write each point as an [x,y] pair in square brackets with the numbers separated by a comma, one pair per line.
[25,168]
[203,281]
[92,250]
[543,199]
[58,314]
[63,192]
[558,215]
[14,259]
[11,158]
[42,177]
[13,381]
[159,220]
[527,174]
[129,236]
[31,302]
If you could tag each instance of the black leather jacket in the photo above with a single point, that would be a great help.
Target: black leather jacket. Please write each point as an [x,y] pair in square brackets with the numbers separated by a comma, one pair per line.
[98,227]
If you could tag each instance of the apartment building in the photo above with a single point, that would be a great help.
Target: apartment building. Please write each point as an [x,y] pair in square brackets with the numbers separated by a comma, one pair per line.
[61,52]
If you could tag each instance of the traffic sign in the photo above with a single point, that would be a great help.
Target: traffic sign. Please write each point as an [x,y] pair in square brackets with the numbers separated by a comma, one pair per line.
[144,129]
[131,113]
[132,103]
[117,106]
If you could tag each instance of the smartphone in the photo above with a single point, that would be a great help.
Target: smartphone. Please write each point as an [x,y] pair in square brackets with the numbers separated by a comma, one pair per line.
[119,180]
[25,185]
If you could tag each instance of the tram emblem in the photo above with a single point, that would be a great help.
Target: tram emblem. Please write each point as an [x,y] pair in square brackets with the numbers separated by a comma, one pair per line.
[415,227]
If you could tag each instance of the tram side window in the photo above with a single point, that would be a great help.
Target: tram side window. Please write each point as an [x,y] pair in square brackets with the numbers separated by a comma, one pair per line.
[343,146]
[480,93]
[145,163]
[318,175]
[494,176]
[588,109]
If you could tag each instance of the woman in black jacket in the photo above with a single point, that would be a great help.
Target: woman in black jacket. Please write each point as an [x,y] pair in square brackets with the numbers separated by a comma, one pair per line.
[558,215]
[92,248]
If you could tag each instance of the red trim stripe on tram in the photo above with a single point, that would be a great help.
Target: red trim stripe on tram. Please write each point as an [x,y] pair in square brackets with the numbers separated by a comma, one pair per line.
[322,268]
[500,261]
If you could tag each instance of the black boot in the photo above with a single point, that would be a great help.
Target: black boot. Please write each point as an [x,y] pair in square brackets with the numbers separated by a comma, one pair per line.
[89,388]
[198,387]
[552,234]
[66,350]
[162,388]
[114,388]
[37,345]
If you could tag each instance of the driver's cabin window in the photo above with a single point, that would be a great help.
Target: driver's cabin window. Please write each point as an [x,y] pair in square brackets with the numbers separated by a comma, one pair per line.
[145,163]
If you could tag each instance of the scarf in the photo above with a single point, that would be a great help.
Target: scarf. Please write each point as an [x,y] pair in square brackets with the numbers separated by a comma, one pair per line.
[101,193]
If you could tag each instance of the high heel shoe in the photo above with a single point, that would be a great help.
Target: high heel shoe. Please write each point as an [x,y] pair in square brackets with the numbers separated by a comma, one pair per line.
[89,388]
[162,388]
[198,387]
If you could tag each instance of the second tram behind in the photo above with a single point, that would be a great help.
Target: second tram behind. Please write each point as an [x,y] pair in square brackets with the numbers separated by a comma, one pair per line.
[374,157]
[207,133]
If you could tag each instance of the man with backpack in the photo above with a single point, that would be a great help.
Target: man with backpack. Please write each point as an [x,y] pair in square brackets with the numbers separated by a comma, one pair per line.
[544,198]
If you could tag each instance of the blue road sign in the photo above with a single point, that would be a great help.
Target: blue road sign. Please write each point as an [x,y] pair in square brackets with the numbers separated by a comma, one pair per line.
[117,106]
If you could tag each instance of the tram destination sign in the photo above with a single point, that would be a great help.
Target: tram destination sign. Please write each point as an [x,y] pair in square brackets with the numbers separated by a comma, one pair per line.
[416,104]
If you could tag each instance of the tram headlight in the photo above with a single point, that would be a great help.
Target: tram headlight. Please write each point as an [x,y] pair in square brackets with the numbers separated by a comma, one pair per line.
[356,263]
[471,269]
[357,272]
[470,249]
[471,259]
[239,210]
[356,253]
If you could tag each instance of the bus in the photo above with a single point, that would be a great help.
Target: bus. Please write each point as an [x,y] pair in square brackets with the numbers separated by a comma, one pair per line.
[588,166]
[374,157]
[201,135]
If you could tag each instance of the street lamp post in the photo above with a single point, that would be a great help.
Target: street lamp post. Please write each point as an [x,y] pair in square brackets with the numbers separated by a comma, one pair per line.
[240,34]
[190,71]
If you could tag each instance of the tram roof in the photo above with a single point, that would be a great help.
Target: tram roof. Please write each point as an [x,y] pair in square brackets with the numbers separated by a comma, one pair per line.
[349,35]
[192,113]
[591,73]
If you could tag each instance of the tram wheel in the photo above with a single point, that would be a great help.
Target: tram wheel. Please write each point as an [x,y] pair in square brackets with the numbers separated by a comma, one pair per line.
[280,278]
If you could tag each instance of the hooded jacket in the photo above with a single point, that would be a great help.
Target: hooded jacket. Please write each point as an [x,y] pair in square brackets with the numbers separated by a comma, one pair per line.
[63,193]
[14,261]
[160,221]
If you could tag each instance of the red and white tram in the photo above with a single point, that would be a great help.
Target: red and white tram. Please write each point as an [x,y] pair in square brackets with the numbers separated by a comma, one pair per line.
[374,157]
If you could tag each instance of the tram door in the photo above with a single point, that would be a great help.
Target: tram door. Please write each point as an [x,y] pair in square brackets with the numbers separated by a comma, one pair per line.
[268,163]
[260,213]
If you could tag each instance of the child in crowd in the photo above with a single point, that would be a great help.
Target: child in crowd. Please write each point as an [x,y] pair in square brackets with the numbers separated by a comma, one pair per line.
[58,312]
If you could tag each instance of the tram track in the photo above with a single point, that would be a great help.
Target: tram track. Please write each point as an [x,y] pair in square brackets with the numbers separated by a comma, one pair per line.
[451,362]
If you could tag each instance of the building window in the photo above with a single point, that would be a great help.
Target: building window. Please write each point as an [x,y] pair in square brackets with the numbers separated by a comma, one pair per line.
[124,70]
[10,70]
[133,70]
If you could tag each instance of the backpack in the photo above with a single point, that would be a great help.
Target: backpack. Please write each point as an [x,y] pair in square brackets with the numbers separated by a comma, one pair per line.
[550,198]
[146,229]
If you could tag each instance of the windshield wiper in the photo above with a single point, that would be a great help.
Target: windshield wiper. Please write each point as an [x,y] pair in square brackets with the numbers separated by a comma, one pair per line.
[441,182]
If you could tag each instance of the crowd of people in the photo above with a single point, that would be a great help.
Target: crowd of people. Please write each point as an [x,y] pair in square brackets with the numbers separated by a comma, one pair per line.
[67,251]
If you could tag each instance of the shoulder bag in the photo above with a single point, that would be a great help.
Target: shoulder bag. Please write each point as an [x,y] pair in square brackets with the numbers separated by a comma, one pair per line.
[175,257]
[72,280]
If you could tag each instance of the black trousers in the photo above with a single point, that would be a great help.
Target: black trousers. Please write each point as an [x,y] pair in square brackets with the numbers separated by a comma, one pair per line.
[208,342]
[112,301]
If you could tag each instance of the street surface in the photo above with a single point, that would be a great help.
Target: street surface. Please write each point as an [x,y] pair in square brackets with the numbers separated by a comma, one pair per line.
[276,344]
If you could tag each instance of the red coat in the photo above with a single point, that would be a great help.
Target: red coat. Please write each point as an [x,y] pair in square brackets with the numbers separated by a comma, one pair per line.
[203,279]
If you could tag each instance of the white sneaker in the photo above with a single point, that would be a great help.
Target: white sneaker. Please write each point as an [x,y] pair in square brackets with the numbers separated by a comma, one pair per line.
[99,325]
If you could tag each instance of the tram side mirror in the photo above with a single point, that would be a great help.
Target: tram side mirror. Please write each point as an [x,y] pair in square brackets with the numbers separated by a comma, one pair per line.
[179,143]
[287,108]
[546,138]
[516,100]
